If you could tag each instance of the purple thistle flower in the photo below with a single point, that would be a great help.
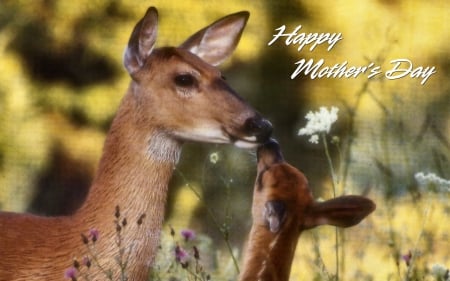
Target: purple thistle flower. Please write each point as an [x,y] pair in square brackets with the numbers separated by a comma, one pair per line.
[141,219]
[407,258]
[196,253]
[188,234]
[76,264]
[117,212]
[86,262]
[93,234]
[84,239]
[181,255]
[71,273]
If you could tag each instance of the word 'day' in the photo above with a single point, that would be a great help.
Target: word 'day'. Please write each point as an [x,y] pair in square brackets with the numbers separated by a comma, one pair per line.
[404,67]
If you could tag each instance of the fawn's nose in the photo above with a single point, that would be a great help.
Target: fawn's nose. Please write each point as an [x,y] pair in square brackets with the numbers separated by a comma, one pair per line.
[269,153]
[259,128]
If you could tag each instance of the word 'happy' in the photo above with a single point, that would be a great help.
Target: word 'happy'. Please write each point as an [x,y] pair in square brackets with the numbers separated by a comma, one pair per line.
[400,67]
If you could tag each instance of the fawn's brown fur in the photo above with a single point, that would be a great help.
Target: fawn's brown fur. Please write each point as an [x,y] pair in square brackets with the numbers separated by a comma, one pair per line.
[283,206]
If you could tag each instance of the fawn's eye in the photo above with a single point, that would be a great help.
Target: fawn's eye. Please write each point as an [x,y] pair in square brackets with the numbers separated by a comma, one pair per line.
[185,80]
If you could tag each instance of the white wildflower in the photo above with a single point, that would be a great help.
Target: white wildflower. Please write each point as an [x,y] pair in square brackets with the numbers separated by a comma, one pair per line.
[319,122]
[440,272]
[214,157]
[314,139]
[432,181]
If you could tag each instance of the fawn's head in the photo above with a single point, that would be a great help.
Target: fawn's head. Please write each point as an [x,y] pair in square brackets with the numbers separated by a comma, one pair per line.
[179,90]
[282,197]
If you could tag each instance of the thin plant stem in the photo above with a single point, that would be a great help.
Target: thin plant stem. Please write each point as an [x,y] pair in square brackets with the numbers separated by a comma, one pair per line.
[195,275]
[340,184]
[318,260]
[416,245]
[330,164]
[333,181]
[93,254]
[215,221]
[121,261]
[340,190]
[225,228]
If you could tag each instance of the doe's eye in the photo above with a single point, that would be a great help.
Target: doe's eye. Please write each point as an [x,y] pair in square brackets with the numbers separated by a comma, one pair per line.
[185,80]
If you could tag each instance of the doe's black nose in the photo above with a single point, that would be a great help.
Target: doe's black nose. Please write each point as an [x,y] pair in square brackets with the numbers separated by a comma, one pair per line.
[258,127]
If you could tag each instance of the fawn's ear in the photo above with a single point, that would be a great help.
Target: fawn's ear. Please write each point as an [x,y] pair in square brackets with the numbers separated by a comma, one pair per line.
[344,211]
[217,41]
[274,214]
[142,41]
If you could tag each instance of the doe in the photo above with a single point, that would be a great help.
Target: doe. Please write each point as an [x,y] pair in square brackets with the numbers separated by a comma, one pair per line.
[176,95]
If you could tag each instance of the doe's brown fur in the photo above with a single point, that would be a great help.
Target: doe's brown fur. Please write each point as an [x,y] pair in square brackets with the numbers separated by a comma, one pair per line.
[176,95]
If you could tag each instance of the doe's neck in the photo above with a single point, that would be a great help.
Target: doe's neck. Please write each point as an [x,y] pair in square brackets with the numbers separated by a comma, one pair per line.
[134,171]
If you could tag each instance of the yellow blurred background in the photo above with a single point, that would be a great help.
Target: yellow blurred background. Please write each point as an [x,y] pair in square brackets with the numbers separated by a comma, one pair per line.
[62,80]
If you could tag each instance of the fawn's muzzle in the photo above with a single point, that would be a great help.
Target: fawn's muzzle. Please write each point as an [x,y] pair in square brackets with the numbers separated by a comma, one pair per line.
[270,152]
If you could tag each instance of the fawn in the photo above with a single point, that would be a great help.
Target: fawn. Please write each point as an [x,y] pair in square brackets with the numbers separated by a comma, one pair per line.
[176,95]
[283,206]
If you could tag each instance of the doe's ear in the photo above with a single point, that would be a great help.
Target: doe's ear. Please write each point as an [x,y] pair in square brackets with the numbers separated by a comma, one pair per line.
[142,41]
[217,41]
[344,211]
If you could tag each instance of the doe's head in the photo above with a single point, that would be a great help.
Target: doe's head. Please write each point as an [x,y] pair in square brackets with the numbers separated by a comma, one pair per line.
[180,91]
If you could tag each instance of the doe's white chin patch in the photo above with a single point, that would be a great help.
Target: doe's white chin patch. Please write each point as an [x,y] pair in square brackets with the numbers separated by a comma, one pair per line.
[245,144]
[250,139]
[163,148]
[203,134]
